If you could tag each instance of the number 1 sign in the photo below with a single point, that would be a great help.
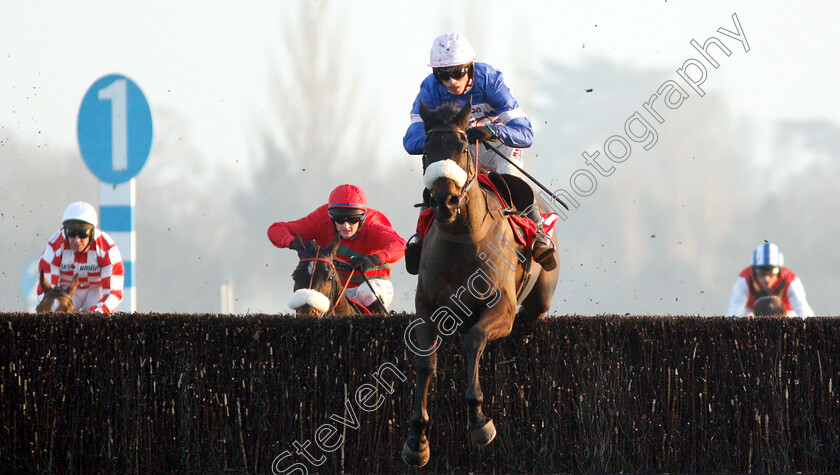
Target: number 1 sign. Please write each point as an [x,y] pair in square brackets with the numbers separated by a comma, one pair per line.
[114,129]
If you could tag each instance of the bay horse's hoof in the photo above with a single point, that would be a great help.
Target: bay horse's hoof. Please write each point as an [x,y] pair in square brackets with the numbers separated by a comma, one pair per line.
[416,458]
[482,435]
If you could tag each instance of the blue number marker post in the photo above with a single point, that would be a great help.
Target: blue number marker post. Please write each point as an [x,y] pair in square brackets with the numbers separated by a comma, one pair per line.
[114,131]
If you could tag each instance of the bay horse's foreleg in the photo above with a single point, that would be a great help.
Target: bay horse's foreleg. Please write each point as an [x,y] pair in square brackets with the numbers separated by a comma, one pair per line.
[416,448]
[482,431]
[538,301]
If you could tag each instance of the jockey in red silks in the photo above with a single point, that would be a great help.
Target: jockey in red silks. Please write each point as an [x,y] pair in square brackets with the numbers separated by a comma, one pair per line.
[367,241]
[766,276]
[496,115]
[80,249]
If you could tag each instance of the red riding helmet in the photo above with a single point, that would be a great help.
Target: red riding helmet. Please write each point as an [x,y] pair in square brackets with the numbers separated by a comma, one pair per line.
[347,200]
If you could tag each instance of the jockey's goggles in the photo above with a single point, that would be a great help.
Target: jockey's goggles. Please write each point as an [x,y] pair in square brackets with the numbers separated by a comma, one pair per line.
[454,72]
[77,233]
[347,219]
[765,271]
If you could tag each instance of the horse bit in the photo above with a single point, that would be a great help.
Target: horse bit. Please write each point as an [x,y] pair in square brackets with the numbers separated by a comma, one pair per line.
[332,276]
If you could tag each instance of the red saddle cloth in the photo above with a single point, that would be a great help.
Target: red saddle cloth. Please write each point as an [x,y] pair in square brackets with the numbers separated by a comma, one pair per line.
[523,228]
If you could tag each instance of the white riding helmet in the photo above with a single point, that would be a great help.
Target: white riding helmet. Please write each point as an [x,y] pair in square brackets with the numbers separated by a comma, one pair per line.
[451,50]
[767,255]
[80,211]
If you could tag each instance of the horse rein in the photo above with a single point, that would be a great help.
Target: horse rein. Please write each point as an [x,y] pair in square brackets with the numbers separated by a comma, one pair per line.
[332,275]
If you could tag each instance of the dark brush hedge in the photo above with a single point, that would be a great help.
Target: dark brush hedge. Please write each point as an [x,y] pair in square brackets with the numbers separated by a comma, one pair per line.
[207,393]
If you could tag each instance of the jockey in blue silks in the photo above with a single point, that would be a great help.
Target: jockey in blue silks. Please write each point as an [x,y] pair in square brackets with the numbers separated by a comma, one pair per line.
[496,115]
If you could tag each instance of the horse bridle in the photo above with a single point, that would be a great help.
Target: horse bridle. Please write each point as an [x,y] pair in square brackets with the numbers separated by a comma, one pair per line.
[463,138]
[333,276]
[54,292]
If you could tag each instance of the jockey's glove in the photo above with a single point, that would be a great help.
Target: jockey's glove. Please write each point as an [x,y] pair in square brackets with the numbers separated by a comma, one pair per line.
[482,133]
[365,261]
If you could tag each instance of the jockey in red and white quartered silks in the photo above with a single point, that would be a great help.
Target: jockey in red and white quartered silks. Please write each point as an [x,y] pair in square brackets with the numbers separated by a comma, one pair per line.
[99,266]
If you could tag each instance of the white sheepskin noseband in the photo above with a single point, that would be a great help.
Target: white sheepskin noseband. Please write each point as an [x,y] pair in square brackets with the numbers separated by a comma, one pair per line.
[310,297]
[444,169]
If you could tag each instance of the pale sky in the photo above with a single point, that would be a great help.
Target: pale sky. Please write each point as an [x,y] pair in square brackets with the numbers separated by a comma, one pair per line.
[208,64]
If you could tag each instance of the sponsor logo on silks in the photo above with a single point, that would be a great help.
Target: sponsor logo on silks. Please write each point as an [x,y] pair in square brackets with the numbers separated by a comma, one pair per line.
[81,267]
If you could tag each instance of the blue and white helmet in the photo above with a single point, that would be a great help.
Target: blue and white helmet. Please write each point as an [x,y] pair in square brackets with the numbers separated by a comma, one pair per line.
[767,255]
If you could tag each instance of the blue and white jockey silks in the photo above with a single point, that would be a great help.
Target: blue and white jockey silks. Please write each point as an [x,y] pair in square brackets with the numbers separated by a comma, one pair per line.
[492,102]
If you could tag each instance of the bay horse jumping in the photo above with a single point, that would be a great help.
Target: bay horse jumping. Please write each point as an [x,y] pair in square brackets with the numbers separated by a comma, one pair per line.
[318,291]
[58,298]
[472,273]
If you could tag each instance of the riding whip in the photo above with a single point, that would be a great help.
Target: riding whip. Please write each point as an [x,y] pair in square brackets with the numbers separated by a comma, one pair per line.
[526,174]
[345,266]
[378,300]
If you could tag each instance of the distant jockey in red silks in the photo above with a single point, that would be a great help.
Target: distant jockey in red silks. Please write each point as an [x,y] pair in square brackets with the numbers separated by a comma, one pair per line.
[766,276]
[368,242]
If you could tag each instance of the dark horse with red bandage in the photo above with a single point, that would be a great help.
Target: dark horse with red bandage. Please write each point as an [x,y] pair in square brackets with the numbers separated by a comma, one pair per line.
[473,273]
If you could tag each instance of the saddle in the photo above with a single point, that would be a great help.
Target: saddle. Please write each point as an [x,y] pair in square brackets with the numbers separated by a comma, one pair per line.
[513,196]
[516,197]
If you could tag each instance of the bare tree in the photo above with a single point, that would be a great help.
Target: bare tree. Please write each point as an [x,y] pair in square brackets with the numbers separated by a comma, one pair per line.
[314,139]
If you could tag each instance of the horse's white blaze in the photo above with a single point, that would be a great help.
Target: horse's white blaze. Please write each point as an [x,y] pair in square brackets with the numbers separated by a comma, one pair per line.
[54,305]
[314,299]
[444,169]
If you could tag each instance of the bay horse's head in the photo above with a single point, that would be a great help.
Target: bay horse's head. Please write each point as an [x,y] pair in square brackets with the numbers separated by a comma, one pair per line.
[317,286]
[769,306]
[58,298]
[447,172]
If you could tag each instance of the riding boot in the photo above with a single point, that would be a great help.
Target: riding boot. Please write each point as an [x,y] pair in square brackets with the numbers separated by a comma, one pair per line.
[414,245]
[542,247]
[413,248]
